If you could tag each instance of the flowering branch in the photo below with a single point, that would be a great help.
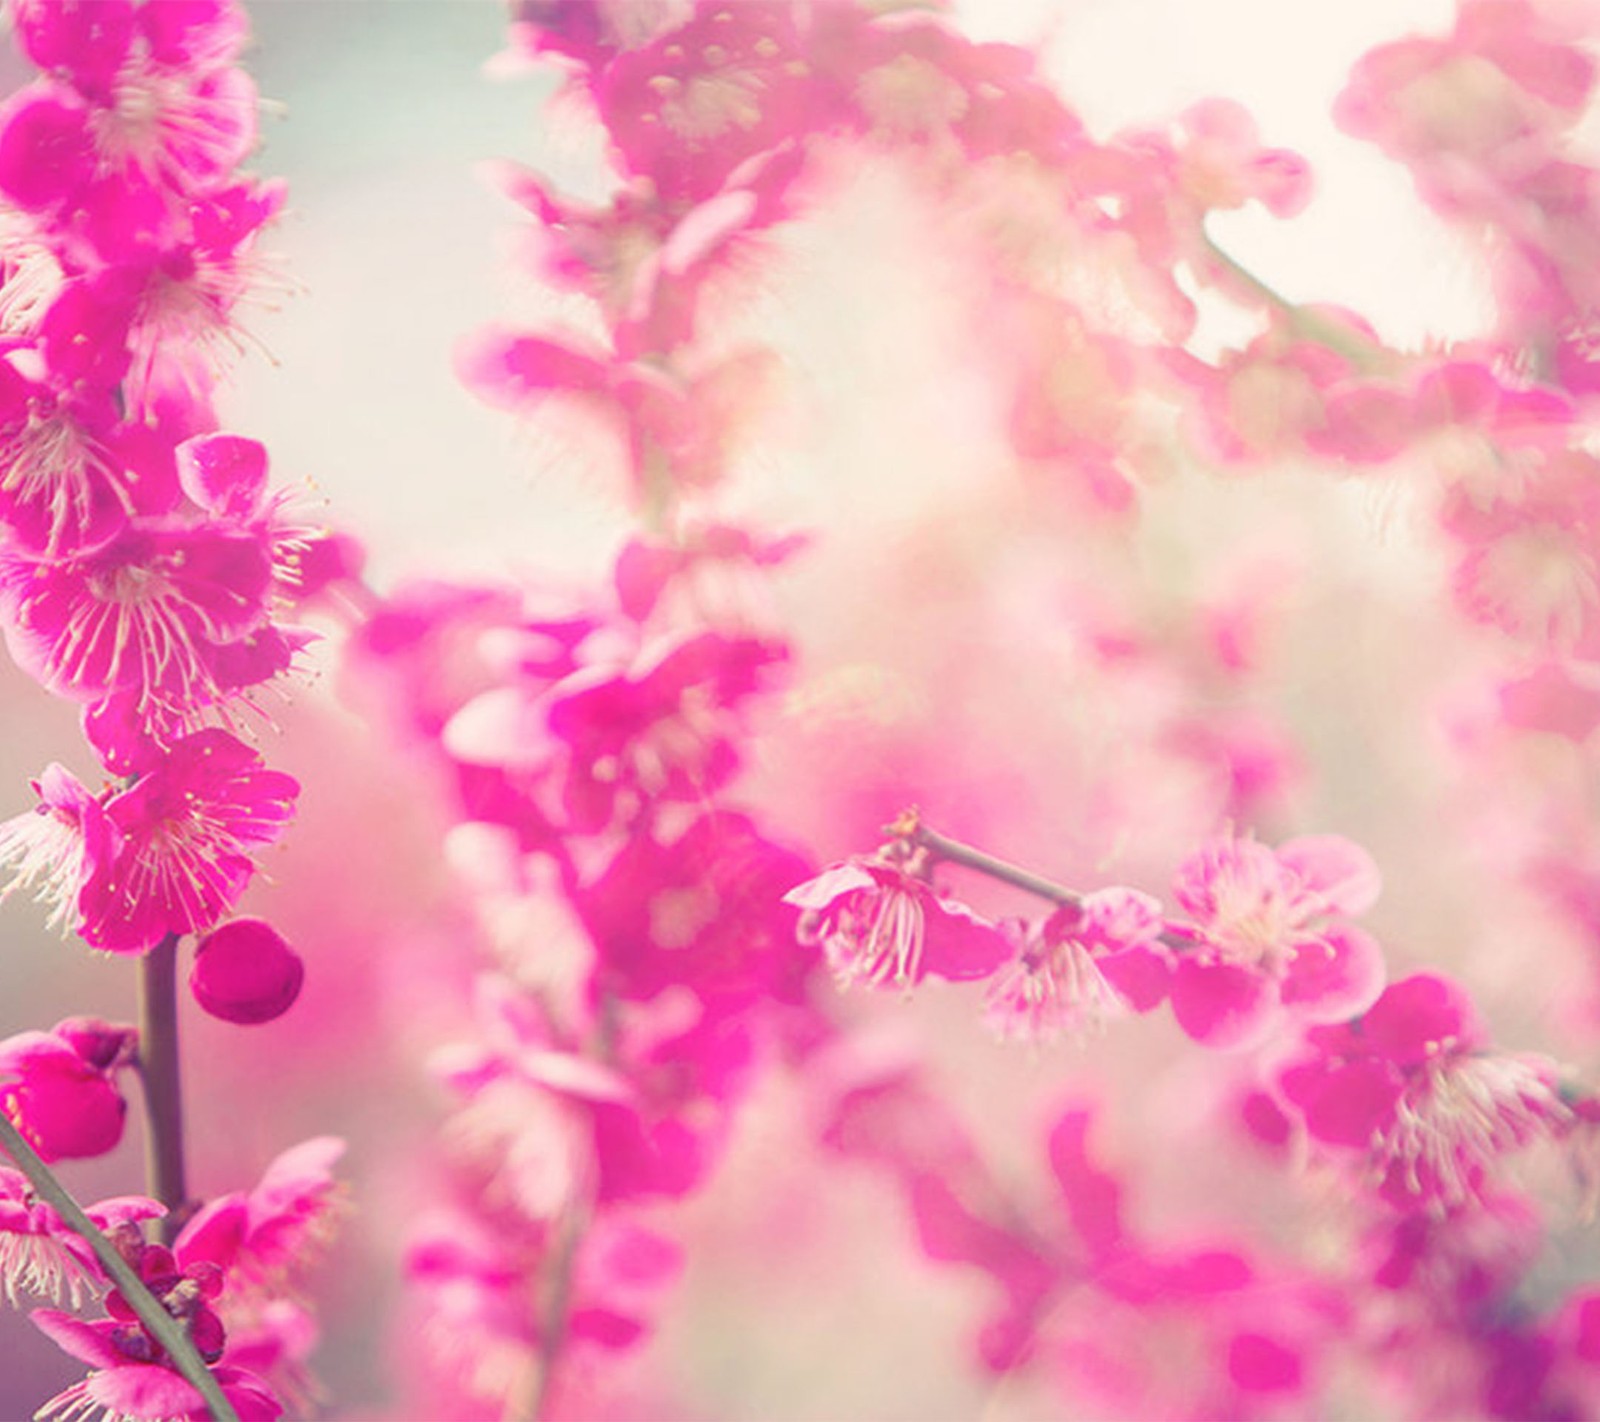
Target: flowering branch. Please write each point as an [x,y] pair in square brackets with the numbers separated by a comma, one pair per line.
[910,829]
[163,1327]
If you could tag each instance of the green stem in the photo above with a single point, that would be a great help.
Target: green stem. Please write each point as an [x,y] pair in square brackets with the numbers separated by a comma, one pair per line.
[163,1088]
[1361,353]
[162,1325]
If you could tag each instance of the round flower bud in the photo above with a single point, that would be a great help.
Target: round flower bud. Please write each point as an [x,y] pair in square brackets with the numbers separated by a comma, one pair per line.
[244,972]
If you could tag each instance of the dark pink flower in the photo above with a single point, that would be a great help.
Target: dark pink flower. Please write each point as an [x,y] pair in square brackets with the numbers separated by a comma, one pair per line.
[59,1087]
[59,846]
[1267,940]
[1413,1086]
[879,924]
[133,1378]
[245,972]
[702,910]
[266,1237]
[41,1254]
[186,831]
[147,614]
[62,485]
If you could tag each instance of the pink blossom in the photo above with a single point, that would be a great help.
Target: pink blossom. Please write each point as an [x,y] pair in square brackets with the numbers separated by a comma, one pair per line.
[59,846]
[690,107]
[1413,1086]
[42,1255]
[879,924]
[147,614]
[700,909]
[1087,962]
[133,1380]
[59,1087]
[61,485]
[186,830]
[1267,937]
[266,1237]
[144,111]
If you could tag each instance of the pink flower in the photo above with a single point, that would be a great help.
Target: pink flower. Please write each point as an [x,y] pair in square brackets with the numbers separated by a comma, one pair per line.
[702,910]
[59,1089]
[1085,963]
[1413,1086]
[42,1255]
[185,833]
[1266,940]
[59,845]
[266,1237]
[879,924]
[133,1380]
[148,614]
[142,110]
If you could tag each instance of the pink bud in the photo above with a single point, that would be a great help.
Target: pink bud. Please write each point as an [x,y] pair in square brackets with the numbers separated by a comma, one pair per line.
[245,972]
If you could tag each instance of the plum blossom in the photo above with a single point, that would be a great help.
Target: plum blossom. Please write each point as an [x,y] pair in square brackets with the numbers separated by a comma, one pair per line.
[1266,937]
[59,1087]
[879,923]
[1086,962]
[59,846]
[185,831]
[41,1254]
[1413,1085]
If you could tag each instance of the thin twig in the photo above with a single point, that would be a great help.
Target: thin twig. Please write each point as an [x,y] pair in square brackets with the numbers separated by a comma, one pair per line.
[910,827]
[1361,353]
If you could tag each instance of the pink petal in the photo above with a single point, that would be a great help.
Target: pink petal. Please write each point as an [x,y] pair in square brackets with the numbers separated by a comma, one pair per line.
[1342,872]
[1336,976]
[1224,1006]
[958,944]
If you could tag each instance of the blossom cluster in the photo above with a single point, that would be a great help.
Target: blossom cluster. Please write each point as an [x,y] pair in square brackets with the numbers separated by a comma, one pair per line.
[648,788]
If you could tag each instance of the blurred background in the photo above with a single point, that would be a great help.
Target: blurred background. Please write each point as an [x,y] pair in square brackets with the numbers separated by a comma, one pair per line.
[390,252]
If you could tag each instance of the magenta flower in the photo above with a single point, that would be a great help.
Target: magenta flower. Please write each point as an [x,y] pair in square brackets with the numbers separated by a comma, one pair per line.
[1267,942]
[124,1387]
[58,846]
[879,924]
[702,910]
[1413,1086]
[42,1255]
[264,1237]
[59,1088]
[147,614]
[1085,963]
[186,830]
[62,487]
[142,112]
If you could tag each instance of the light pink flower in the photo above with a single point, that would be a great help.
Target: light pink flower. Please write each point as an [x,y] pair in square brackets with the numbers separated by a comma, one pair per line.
[880,925]
[1085,963]
[267,1237]
[1268,940]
